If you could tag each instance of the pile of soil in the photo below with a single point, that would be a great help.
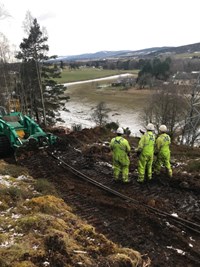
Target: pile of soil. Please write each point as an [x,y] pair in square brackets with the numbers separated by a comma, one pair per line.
[129,224]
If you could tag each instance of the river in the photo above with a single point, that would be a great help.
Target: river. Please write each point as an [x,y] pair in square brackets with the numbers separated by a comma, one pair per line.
[79,111]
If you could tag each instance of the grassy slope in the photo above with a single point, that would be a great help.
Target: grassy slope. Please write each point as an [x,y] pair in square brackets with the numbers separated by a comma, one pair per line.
[39,229]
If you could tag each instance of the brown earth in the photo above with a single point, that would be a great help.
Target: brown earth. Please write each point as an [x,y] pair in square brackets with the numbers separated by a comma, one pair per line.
[132,224]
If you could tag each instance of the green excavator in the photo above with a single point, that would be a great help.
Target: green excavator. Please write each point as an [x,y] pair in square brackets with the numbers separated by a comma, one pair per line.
[19,132]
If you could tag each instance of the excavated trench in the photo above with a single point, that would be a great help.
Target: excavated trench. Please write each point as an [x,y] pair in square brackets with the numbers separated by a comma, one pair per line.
[130,224]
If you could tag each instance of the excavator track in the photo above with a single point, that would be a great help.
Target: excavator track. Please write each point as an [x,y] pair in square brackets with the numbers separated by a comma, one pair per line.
[5,148]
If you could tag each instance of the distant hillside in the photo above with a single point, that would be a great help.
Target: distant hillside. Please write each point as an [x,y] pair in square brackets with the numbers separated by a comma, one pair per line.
[102,55]
[191,48]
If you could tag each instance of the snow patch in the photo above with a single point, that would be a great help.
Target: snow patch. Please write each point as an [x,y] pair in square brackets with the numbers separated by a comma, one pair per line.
[175,215]
[179,251]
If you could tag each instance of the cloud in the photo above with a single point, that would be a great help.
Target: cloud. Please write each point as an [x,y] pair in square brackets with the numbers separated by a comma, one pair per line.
[46,16]
[85,26]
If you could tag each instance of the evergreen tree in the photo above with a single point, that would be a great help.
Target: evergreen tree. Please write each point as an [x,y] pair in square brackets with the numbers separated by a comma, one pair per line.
[39,92]
[155,69]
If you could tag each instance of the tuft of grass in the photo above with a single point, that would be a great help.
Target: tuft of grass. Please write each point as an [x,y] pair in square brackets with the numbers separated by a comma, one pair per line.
[30,222]
[40,223]
[13,193]
[95,243]
[3,204]
[3,238]
[3,263]
[55,242]
[44,187]
[11,253]
[193,166]
[122,260]
[48,204]
[24,264]
[13,170]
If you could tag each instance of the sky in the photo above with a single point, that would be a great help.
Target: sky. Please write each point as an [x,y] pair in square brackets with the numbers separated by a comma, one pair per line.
[88,26]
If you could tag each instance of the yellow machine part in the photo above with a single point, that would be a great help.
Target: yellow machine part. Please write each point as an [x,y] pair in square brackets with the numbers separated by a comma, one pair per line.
[20,133]
[14,104]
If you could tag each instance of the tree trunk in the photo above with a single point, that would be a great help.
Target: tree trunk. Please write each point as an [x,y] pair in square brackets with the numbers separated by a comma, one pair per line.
[41,91]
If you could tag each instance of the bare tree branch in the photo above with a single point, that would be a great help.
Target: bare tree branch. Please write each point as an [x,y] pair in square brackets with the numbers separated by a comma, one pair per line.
[3,12]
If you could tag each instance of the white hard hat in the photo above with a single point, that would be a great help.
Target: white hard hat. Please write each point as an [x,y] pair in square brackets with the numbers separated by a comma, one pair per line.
[120,130]
[163,128]
[150,127]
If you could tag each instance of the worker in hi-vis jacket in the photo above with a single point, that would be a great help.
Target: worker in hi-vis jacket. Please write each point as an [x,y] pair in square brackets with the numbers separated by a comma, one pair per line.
[145,152]
[120,149]
[162,151]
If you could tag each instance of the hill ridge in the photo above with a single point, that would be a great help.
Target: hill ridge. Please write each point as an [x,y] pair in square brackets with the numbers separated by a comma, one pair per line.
[152,51]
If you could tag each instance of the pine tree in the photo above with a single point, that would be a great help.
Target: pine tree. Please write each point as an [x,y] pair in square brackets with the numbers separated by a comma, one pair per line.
[39,92]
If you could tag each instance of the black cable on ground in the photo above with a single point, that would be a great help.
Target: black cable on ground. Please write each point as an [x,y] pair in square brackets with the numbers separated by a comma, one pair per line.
[186,223]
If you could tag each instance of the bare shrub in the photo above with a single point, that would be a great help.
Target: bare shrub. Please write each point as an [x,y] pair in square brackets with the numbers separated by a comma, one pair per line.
[166,106]
[100,114]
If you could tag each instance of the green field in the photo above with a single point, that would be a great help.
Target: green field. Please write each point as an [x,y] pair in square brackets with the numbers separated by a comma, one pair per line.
[96,91]
[186,55]
[88,74]
[91,93]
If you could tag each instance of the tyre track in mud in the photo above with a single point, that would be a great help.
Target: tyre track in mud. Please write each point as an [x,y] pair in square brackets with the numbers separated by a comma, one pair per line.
[124,223]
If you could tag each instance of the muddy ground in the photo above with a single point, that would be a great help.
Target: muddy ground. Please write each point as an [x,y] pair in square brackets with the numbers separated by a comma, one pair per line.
[153,232]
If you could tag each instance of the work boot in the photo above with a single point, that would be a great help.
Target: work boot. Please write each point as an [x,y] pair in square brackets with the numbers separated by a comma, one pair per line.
[126,182]
[139,180]
[115,181]
[170,174]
